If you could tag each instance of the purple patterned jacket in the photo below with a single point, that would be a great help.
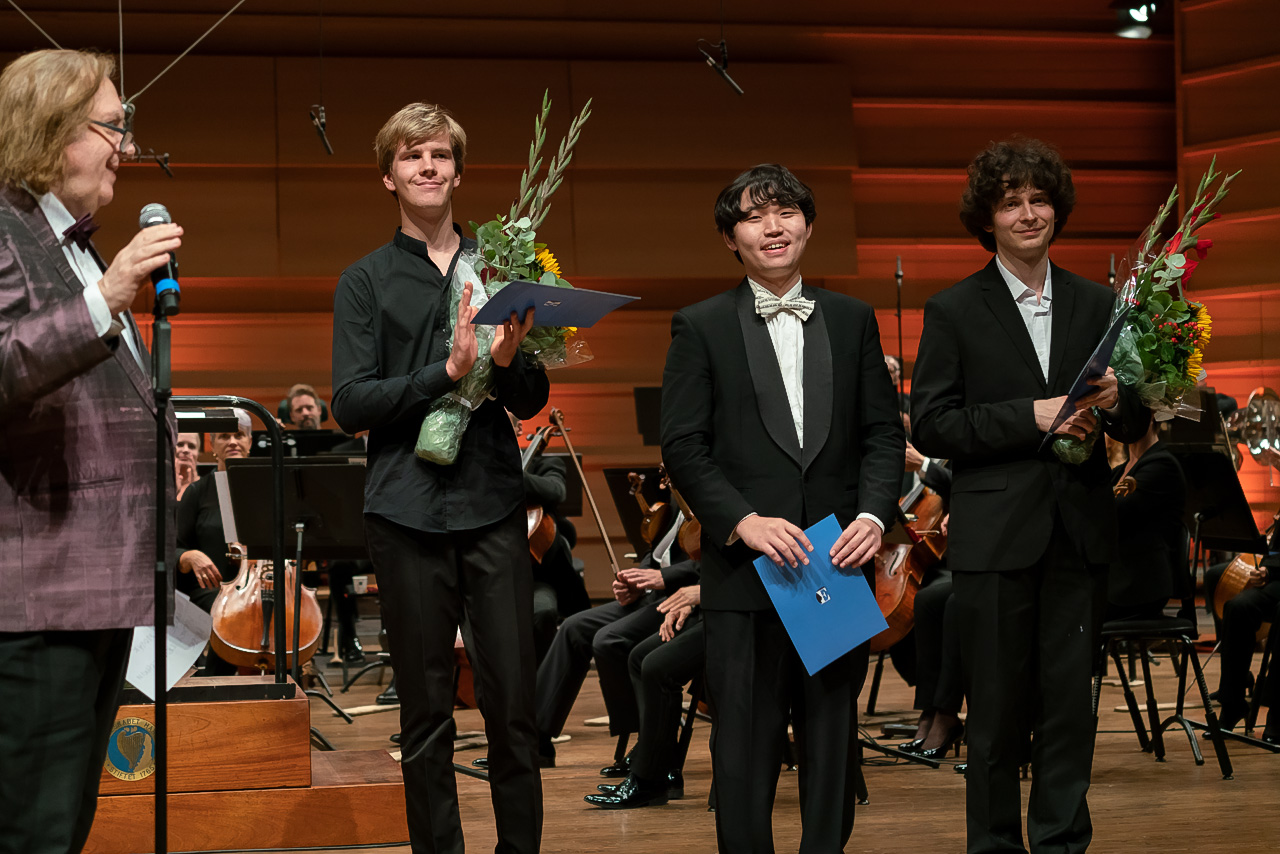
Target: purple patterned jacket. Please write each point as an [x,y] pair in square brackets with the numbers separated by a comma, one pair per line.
[77,447]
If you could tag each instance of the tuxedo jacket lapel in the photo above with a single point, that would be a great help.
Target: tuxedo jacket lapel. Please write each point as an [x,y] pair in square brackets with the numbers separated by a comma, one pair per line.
[766,376]
[1006,313]
[1064,301]
[818,382]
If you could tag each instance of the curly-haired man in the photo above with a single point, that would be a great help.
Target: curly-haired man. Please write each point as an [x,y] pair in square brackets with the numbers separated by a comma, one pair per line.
[1030,536]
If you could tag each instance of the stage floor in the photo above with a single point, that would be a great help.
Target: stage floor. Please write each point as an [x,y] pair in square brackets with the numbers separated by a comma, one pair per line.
[1137,803]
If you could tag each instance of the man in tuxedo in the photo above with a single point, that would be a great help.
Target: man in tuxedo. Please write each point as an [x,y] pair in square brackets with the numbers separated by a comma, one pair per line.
[77,444]
[442,538]
[777,411]
[1030,535]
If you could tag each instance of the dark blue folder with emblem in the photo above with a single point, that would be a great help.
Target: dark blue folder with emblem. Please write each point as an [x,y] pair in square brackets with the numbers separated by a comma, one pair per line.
[554,306]
[826,610]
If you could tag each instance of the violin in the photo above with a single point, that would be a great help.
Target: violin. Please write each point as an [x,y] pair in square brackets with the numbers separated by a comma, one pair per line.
[244,612]
[900,568]
[541,526]
[654,516]
[690,534]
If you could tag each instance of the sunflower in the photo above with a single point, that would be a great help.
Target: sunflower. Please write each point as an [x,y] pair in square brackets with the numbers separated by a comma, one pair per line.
[548,262]
[1205,323]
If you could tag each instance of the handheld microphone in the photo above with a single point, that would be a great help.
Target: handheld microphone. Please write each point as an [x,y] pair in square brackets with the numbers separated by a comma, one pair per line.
[164,277]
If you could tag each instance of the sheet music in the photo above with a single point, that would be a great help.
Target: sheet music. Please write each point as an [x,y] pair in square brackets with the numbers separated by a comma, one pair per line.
[186,640]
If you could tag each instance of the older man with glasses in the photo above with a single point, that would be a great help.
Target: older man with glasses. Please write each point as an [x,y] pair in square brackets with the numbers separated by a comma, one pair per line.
[77,444]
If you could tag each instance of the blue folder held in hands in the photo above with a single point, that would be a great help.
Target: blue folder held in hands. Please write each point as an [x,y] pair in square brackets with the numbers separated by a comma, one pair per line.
[826,610]
[554,306]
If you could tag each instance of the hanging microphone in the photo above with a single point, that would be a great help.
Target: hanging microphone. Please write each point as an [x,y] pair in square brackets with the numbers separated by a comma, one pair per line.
[722,66]
[1111,274]
[164,277]
[898,274]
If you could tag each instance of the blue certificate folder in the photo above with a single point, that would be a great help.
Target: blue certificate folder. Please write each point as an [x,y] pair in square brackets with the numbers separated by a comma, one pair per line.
[826,610]
[555,306]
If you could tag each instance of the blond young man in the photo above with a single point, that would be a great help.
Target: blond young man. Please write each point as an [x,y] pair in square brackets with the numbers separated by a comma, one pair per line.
[77,445]
[444,540]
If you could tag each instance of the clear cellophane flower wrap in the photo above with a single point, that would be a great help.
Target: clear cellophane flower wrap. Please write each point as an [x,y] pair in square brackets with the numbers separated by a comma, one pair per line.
[506,250]
[1160,352]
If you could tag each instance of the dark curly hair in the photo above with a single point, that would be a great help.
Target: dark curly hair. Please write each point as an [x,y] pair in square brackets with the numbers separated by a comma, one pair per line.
[766,183]
[1014,164]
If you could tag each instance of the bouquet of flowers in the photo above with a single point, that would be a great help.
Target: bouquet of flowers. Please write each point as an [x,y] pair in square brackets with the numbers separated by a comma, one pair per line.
[1161,347]
[507,250]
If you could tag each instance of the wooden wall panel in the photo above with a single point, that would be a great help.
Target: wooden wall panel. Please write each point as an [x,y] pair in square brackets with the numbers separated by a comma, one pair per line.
[1224,103]
[1228,32]
[660,223]
[1257,158]
[927,132]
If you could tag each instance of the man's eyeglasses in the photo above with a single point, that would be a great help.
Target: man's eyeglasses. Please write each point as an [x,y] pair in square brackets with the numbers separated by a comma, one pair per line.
[126,134]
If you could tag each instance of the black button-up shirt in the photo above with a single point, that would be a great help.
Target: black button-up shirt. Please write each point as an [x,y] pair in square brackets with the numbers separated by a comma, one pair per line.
[391,326]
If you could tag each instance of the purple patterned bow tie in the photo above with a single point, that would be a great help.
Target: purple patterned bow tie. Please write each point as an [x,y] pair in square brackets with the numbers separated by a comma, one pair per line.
[81,231]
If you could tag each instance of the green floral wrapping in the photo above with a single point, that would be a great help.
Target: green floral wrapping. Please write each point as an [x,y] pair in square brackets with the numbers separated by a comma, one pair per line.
[440,436]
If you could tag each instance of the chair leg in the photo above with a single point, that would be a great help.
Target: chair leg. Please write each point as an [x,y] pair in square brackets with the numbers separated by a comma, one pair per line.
[1131,701]
[1178,717]
[1210,718]
[686,728]
[1153,714]
[875,683]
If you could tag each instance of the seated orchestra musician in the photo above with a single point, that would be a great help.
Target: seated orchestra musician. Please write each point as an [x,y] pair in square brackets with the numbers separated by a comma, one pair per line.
[303,407]
[660,667]
[1151,494]
[203,561]
[608,633]
[939,691]
[558,590]
[185,456]
[1243,616]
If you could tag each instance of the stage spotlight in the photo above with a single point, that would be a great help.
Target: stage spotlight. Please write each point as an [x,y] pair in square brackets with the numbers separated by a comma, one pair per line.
[1135,18]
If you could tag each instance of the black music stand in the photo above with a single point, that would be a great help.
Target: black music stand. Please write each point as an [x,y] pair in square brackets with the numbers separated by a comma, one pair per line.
[297,443]
[323,504]
[1219,517]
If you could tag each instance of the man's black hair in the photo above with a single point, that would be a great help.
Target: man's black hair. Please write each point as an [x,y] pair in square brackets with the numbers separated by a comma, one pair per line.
[766,183]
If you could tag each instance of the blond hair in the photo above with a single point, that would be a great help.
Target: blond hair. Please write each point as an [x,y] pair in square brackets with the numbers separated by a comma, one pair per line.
[411,125]
[45,99]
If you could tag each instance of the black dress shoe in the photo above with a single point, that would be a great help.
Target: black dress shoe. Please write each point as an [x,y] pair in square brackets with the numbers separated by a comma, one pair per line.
[351,651]
[482,762]
[1231,715]
[911,746]
[630,795]
[940,752]
[618,769]
[675,786]
[388,697]
[395,738]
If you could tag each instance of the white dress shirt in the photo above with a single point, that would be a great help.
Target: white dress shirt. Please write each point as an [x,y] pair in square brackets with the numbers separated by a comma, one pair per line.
[786,331]
[86,270]
[1037,314]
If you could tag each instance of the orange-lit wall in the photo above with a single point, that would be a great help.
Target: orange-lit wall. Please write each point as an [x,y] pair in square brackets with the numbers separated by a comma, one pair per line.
[878,105]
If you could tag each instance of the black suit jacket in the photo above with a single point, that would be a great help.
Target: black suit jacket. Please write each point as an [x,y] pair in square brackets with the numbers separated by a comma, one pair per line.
[976,377]
[1149,566]
[730,445]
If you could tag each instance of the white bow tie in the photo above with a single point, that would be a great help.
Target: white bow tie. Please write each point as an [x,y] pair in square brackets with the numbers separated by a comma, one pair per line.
[768,305]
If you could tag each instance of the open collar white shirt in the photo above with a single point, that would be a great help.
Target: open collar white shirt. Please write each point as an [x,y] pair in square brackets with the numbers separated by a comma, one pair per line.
[1037,314]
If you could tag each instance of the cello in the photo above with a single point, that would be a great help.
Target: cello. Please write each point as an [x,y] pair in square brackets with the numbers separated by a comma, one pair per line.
[900,568]
[243,617]
[540,526]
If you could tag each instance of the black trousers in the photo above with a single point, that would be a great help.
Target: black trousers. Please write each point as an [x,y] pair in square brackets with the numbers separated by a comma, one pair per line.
[659,671]
[608,633]
[59,692]
[427,580]
[940,682]
[1242,617]
[1029,639]
[756,682]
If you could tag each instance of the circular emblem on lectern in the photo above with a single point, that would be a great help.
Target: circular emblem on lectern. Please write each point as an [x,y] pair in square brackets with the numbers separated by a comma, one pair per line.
[131,749]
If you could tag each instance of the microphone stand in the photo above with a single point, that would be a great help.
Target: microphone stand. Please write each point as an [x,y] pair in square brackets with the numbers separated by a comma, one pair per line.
[902,365]
[163,392]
